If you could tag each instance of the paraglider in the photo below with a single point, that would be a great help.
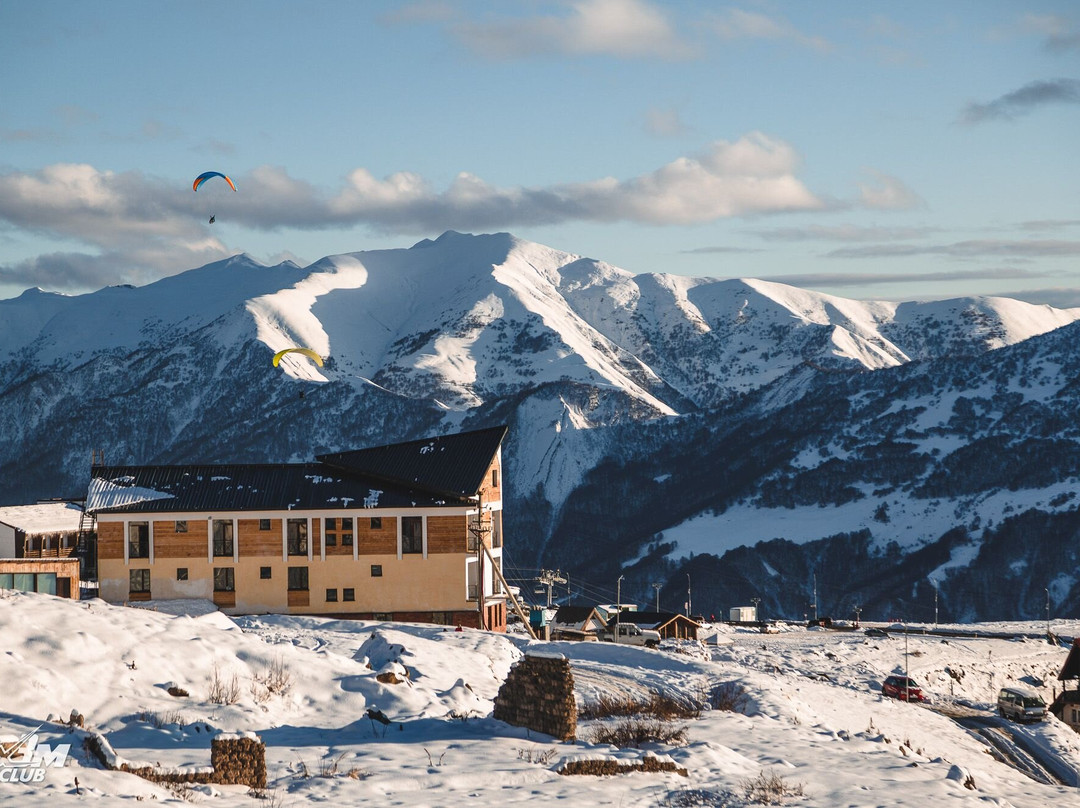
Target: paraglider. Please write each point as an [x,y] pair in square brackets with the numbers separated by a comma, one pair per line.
[202,178]
[305,351]
[199,180]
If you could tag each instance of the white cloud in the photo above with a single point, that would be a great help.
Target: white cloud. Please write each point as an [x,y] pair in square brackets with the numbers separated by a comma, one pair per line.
[735,24]
[141,224]
[624,28]
[883,192]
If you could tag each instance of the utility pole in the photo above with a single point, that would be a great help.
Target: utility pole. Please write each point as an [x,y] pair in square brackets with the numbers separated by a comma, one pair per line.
[815,597]
[1048,613]
[858,610]
[907,679]
[656,586]
[618,605]
[935,603]
[688,601]
[756,601]
[479,532]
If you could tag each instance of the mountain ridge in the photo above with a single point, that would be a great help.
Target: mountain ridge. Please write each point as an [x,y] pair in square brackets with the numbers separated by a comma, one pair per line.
[594,368]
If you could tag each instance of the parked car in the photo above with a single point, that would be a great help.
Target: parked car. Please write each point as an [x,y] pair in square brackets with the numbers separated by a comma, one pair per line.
[1021,704]
[902,687]
[876,632]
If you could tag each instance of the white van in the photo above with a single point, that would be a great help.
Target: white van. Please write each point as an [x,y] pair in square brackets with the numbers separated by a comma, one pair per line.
[1021,704]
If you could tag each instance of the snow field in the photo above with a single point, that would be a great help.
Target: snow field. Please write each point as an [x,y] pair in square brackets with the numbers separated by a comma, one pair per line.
[815,716]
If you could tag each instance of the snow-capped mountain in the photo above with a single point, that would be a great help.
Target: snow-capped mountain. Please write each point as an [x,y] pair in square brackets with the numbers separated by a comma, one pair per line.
[589,364]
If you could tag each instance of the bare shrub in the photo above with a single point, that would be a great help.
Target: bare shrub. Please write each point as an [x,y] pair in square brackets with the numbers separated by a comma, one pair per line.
[160,720]
[656,705]
[636,731]
[273,798]
[769,789]
[221,691]
[536,756]
[730,697]
[328,767]
[278,676]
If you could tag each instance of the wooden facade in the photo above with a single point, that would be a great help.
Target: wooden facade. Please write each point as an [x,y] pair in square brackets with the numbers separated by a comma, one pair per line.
[417,562]
[50,576]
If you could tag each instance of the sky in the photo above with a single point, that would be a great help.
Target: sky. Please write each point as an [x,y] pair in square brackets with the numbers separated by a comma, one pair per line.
[873,150]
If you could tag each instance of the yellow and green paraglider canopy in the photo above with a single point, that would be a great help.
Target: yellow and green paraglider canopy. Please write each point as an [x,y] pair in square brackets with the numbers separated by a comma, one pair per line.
[305,351]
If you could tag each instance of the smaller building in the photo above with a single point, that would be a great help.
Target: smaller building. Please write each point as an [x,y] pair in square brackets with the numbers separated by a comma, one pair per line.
[38,545]
[44,530]
[48,576]
[1067,704]
[575,623]
[742,614]
[668,624]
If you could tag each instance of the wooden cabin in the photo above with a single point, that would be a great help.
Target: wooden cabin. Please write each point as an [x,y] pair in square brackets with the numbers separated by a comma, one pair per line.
[1066,705]
[409,531]
[669,624]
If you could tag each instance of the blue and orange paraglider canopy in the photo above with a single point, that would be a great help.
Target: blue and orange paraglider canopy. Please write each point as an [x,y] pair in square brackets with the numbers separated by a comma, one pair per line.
[199,180]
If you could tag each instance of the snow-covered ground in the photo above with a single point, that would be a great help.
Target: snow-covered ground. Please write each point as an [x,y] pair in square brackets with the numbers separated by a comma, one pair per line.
[814,715]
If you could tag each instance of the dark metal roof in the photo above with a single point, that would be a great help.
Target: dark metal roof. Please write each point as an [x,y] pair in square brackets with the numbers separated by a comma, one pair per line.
[454,464]
[1071,668]
[574,614]
[246,487]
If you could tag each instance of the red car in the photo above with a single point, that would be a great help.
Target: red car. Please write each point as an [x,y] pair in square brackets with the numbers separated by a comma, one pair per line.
[903,688]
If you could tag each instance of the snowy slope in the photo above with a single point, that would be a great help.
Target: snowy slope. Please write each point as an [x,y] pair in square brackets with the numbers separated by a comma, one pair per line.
[814,715]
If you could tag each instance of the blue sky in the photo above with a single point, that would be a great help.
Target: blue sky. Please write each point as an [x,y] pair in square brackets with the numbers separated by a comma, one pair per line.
[867,149]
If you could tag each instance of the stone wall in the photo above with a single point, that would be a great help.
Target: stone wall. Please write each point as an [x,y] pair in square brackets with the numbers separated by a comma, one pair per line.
[539,694]
[239,759]
[235,759]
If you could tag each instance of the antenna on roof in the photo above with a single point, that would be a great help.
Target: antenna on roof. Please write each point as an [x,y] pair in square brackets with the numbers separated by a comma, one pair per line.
[97,458]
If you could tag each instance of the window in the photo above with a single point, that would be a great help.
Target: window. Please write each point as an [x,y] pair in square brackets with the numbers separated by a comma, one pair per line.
[7,580]
[412,534]
[341,528]
[376,523]
[384,616]
[376,570]
[181,573]
[264,524]
[331,596]
[139,540]
[180,526]
[494,478]
[224,579]
[348,594]
[297,537]
[298,579]
[223,537]
[264,573]
[139,581]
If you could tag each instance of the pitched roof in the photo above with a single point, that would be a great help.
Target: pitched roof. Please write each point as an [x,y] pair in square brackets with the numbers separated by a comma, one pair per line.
[572,615]
[649,619]
[454,464]
[246,487]
[1071,668]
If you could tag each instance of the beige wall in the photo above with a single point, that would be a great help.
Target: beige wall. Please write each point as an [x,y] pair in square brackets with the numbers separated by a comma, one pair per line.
[409,583]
